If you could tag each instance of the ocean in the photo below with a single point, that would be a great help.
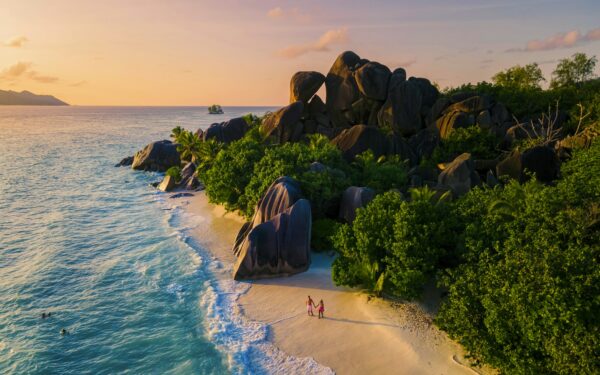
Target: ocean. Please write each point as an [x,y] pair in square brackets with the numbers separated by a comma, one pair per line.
[107,255]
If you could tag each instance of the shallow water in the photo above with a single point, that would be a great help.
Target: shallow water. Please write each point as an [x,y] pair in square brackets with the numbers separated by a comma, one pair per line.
[104,252]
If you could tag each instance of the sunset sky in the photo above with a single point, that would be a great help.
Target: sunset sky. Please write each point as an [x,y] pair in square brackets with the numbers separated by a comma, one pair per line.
[244,52]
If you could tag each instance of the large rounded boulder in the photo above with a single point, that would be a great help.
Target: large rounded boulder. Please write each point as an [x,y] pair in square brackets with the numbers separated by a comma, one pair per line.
[342,89]
[372,80]
[277,240]
[304,85]
[228,131]
[460,175]
[361,138]
[284,125]
[541,161]
[157,156]
[354,197]
[402,110]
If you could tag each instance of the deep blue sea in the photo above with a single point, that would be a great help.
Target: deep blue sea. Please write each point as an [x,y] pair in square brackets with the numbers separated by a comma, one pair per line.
[99,248]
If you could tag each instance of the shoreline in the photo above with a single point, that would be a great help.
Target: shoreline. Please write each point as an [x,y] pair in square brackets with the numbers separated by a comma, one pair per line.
[358,335]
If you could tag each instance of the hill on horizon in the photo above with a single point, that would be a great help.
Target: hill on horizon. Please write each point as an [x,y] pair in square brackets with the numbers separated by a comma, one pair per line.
[27,98]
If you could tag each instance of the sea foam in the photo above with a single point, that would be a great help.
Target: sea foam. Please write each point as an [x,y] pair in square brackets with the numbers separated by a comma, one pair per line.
[243,342]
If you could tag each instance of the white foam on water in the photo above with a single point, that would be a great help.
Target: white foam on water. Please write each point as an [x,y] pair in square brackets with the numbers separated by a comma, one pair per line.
[243,342]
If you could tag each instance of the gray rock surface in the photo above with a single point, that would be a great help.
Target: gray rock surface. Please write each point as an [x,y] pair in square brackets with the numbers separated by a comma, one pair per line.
[354,198]
[277,240]
[460,175]
[284,125]
[228,131]
[304,85]
[157,156]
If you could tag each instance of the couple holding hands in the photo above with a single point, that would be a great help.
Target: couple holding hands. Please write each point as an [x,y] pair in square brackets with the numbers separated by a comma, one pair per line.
[320,307]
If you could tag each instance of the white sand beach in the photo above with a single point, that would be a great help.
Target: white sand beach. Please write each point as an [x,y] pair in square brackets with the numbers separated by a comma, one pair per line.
[359,334]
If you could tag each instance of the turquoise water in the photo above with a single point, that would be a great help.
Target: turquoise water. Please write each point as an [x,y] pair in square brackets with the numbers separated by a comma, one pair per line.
[102,251]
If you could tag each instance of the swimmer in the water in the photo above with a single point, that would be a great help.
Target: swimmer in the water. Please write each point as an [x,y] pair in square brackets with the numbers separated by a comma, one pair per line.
[64,332]
[43,315]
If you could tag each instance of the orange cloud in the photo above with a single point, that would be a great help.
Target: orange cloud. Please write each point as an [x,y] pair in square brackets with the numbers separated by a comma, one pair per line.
[293,14]
[23,70]
[560,40]
[330,37]
[16,42]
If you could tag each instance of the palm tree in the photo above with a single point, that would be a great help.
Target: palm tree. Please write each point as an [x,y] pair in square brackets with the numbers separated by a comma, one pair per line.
[176,133]
[189,146]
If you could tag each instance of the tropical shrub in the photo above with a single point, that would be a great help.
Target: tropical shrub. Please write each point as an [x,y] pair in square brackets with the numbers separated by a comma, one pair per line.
[481,143]
[322,230]
[381,174]
[226,179]
[174,172]
[525,298]
[394,245]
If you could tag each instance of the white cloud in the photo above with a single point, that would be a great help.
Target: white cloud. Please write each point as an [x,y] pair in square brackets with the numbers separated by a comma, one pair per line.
[561,40]
[23,70]
[16,42]
[337,36]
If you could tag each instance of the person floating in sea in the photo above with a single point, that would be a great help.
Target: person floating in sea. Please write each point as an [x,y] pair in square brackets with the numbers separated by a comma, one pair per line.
[64,332]
[309,306]
[321,309]
[44,315]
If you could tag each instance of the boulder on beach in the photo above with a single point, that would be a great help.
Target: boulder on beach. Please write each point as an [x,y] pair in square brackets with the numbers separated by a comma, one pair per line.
[277,241]
[157,156]
[304,85]
[459,175]
[167,184]
[228,131]
[354,198]
[284,125]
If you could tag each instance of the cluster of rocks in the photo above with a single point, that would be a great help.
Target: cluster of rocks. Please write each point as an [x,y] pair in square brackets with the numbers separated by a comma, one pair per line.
[368,107]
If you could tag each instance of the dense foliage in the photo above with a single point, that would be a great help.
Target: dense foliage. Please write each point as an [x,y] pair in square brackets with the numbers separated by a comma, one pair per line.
[526,296]
[381,174]
[571,71]
[481,143]
[520,77]
[394,245]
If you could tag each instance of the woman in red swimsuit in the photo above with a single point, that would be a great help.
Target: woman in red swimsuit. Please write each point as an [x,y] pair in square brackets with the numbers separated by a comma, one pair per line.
[321,309]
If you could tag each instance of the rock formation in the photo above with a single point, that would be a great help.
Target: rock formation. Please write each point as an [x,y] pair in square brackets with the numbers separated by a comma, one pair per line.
[284,125]
[228,131]
[304,85]
[157,156]
[277,240]
[459,175]
[542,161]
[354,198]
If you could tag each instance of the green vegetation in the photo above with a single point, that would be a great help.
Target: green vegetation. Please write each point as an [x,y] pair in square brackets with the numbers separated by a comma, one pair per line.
[481,143]
[519,262]
[572,71]
[380,174]
[174,172]
[525,297]
[395,245]
[526,77]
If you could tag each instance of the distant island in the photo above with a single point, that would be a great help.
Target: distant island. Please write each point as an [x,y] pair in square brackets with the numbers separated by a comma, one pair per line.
[215,109]
[27,98]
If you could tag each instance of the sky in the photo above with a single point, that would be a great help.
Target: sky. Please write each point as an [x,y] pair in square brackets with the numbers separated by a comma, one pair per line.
[244,52]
